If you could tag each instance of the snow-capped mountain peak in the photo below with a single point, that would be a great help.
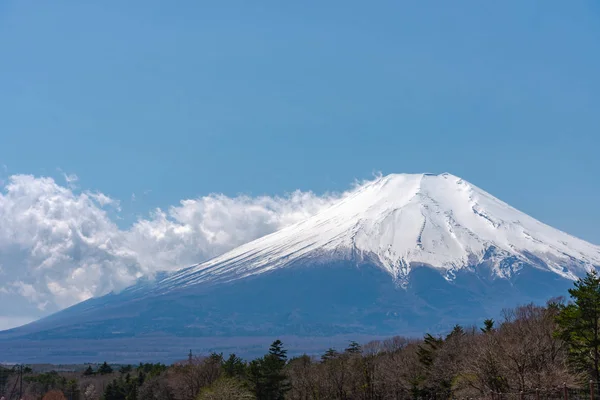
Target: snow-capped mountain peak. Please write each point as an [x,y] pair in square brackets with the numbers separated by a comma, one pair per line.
[425,246]
[401,221]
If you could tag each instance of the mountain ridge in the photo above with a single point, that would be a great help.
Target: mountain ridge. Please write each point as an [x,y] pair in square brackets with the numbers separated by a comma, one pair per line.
[411,195]
[404,254]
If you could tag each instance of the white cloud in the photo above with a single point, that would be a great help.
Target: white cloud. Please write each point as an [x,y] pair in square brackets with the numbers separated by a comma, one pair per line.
[59,246]
[71,178]
[103,200]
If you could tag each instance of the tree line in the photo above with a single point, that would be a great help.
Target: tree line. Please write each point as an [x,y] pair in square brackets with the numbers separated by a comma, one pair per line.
[530,349]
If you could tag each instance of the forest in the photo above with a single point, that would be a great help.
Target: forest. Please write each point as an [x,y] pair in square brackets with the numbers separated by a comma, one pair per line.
[531,352]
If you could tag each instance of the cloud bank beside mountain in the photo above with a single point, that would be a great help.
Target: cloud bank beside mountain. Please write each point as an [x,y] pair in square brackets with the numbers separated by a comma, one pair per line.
[60,245]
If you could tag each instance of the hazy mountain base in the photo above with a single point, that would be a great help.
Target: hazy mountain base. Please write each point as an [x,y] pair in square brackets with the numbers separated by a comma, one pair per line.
[312,308]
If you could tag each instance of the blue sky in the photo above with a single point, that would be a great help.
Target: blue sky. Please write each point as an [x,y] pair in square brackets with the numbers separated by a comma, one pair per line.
[175,100]
[191,98]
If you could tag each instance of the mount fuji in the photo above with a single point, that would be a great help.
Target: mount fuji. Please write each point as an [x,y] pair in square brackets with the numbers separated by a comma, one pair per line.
[401,255]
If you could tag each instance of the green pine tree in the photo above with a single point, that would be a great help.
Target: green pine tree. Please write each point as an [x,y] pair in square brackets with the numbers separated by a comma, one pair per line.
[457,331]
[427,350]
[105,369]
[276,379]
[115,390]
[488,325]
[330,354]
[256,377]
[354,348]
[267,376]
[427,353]
[579,325]
[89,371]
[234,367]
[278,353]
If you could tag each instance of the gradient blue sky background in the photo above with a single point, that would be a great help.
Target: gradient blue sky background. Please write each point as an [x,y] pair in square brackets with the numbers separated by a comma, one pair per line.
[174,100]
[186,98]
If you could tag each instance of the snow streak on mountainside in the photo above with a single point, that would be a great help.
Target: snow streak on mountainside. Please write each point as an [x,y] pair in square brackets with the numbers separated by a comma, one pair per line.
[402,221]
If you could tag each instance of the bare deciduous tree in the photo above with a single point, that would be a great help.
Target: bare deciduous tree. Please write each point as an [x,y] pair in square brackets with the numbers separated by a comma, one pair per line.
[226,389]
[54,395]
[189,378]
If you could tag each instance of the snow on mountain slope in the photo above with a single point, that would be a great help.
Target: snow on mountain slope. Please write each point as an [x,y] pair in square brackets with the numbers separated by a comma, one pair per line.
[434,251]
[401,221]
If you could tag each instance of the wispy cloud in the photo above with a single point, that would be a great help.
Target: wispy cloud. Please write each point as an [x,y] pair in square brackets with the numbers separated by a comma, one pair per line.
[103,200]
[71,178]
